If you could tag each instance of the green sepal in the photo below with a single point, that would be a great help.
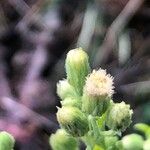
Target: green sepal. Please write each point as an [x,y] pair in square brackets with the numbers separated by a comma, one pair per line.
[95,106]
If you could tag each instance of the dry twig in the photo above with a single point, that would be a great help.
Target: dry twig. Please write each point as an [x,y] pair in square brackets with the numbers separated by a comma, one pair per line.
[116,27]
[22,112]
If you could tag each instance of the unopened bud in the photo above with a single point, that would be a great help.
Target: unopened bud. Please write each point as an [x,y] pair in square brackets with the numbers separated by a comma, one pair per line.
[77,68]
[119,116]
[64,90]
[6,141]
[132,142]
[61,140]
[73,120]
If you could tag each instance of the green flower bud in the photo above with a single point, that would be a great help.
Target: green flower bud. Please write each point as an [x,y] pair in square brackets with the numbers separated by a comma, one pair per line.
[77,68]
[69,101]
[132,142]
[6,141]
[64,90]
[72,120]
[97,92]
[119,116]
[146,145]
[61,140]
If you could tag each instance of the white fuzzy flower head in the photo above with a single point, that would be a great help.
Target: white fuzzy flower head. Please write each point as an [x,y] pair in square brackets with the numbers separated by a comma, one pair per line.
[99,83]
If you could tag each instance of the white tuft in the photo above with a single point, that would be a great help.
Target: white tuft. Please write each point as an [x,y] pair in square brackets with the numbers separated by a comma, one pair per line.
[99,83]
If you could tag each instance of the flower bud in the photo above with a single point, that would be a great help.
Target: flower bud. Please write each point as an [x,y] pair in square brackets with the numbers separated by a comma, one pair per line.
[146,145]
[77,68]
[61,140]
[119,116]
[97,92]
[132,142]
[72,120]
[6,141]
[64,90]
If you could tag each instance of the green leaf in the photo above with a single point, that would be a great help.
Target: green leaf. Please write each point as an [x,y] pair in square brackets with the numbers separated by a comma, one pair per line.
[101,121]
[97,147]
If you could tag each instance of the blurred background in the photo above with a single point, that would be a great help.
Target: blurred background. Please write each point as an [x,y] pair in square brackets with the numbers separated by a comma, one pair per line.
[35,36]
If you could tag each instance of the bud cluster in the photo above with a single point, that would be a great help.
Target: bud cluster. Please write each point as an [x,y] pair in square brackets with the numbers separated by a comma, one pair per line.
[87,106]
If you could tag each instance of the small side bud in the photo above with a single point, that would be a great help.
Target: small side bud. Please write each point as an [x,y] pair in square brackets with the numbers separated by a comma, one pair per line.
[73,120]
[77,68]
[132,142]
[119,116]
[61,140]
[97,92]
[6,141]
[64,90]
